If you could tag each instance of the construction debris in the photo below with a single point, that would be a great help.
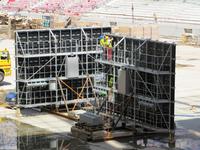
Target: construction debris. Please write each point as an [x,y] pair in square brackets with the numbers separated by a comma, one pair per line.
[150,31]
[11,23]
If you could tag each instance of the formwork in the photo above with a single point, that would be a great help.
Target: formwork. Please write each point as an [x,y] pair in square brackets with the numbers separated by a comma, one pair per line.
[45,56]
[138,80]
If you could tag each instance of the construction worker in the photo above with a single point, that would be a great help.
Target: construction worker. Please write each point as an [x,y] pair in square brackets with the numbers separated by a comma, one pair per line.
[102,40]
[108,43]
[102,43]
[110,82]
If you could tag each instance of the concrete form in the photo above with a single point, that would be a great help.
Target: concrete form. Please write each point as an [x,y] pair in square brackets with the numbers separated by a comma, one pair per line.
[147,70]
[45,57]
[41,57]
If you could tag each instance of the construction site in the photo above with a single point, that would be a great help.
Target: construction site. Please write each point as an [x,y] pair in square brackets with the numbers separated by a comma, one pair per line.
[99,74]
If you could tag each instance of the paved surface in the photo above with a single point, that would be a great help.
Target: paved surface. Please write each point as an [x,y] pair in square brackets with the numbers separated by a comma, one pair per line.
[49,122]
[172,15]
[144,10]
[187,103]
[187,83]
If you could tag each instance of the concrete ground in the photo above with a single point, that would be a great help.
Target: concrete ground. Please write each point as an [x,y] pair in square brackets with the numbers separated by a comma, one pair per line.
[187,83]
[187,105]
[172,16]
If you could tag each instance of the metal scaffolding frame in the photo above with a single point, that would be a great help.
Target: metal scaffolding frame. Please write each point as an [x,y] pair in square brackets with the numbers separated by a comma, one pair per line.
[150,68]
[41,59]
[53,67]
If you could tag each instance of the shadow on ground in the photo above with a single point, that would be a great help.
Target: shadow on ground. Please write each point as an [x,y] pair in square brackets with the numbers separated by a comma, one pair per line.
[188,134]
[4,83]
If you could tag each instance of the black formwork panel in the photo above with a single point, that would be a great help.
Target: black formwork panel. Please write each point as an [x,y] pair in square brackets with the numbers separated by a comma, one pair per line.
[36,42]
[144,53]
[41,56]
[36,96]
[151,65]
[28,66]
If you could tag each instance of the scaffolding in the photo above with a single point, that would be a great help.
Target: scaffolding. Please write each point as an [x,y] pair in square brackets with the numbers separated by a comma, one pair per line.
[134,80]
[142,72]
[45,56]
